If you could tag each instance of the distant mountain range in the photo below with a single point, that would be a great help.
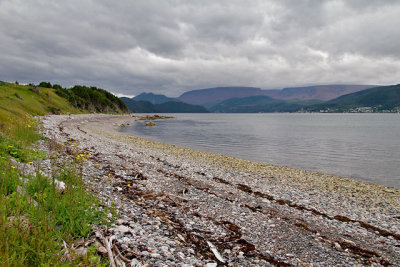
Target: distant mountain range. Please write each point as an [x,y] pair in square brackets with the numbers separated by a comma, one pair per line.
[166,107]
[218,94]
[323,98]
[153,98]
[320,92]
[256,104]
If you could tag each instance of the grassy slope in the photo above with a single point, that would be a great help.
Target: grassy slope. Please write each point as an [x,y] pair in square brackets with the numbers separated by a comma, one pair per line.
[18,102]
[35,218]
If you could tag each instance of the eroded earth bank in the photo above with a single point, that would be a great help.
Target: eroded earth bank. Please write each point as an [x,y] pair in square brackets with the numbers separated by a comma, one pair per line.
[181,207]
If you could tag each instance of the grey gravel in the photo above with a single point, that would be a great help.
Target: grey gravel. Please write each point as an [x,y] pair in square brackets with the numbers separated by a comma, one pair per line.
[172,200]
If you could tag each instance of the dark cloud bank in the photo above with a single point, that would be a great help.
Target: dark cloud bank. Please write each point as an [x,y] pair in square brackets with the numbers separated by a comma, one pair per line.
[173,46]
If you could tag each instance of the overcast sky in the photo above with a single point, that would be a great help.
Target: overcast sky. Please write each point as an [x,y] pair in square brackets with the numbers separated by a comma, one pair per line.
[173,46]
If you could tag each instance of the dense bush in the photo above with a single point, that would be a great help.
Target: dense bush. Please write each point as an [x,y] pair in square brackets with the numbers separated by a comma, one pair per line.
[45,85]
[57,86]
[93,99]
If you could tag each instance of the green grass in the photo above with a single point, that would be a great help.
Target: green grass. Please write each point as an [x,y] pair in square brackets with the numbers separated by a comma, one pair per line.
[35,217]
[18,103]
[34,100]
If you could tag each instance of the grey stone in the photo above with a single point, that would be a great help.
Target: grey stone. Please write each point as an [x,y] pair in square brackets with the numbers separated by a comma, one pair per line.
[155,255]
[122,229]
[145,253]
[135,263]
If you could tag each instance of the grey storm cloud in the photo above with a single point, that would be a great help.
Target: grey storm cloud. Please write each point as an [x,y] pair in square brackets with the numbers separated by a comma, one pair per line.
[172,46]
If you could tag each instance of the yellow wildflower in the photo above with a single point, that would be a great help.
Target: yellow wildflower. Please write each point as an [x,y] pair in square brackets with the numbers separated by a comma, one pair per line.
[10,146]
[129,185]
[12,167]
[30,162]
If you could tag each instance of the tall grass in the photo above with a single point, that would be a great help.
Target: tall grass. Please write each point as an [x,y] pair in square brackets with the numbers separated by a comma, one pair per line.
[35,216]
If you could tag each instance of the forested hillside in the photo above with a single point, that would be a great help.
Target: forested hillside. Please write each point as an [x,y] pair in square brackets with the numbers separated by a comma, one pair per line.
[384,98]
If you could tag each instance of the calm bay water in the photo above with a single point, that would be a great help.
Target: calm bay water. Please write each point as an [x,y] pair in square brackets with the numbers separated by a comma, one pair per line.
[365,147]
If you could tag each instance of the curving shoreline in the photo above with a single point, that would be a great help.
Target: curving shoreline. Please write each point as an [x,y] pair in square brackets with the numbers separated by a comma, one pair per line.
[256,214]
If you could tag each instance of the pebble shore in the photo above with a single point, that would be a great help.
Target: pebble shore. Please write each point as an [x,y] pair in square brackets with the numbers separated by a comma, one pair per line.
[182,207]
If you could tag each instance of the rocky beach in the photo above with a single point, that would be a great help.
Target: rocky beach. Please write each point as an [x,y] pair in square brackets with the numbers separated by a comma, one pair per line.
[182,207]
